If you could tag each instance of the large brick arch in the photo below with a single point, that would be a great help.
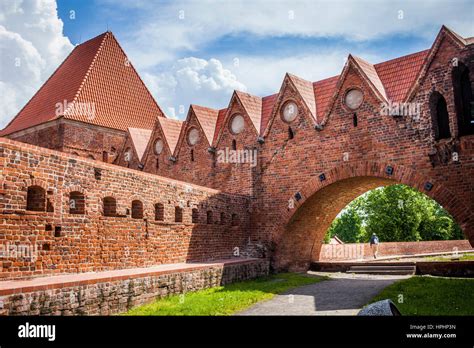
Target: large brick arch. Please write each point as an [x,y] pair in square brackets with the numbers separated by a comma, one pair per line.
[304,226]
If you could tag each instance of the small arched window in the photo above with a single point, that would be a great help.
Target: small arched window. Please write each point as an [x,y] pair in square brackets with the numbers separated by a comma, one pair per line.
[463,99]
[178,214]
[77,203]
[234,144]
[235,220]
[110,206]
[137,209]
[195,216]
[36,199]
[192,155]
[439,116]
[159,212]
[105,156]
[209,217]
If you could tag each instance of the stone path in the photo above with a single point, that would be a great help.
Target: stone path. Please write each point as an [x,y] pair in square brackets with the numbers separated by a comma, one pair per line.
[342,294]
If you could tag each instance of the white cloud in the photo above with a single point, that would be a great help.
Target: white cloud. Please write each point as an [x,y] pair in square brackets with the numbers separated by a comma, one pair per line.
[31,47]
[199,81]
[189,25]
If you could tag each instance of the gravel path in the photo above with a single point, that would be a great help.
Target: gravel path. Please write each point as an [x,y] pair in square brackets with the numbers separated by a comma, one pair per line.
[342,294]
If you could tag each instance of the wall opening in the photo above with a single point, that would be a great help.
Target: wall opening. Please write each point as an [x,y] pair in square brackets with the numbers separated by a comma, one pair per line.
[463,99]
[159,212]
[77,203]
[110,206]
[137,209]
[195,216]
[178,214]
[209,217]
[439,116]
[301,240]
[36,199]
[235,220]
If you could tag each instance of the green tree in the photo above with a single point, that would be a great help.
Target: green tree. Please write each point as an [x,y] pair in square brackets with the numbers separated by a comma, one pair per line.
[347,227]
[394,213]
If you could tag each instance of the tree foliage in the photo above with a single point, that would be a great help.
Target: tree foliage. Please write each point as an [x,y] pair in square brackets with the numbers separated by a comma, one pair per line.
[396,213]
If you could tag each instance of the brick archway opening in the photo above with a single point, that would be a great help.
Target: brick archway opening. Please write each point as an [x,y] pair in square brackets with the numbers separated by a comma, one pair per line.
[301,240]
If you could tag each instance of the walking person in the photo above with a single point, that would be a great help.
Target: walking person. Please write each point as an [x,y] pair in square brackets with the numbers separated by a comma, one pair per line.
[374,244]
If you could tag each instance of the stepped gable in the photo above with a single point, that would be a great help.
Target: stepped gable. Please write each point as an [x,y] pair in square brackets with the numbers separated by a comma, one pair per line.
[97,73]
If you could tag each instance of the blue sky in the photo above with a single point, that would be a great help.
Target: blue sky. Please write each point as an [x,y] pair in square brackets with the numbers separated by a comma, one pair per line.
[200,51]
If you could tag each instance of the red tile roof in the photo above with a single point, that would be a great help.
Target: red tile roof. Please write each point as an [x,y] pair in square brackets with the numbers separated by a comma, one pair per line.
[371,74]
[207,118]
[171,129]
[305,89]
[324,91]
[267,107]
[253,106]
[140,138]
[398,75]
[219,124]
[98,73]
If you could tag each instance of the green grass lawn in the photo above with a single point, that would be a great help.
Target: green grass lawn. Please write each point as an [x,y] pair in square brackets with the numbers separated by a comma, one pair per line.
[431,296]
[464,257]
[225,300]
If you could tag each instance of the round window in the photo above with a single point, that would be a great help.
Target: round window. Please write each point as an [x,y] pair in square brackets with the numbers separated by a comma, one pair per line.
[354,98]
[158,146]
[289,111]
[237,124]
[193,136]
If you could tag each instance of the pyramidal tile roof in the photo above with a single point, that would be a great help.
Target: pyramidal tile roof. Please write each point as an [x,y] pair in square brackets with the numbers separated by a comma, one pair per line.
[99,86]
[171,129]
[207,118]
[140,138]
[253,106]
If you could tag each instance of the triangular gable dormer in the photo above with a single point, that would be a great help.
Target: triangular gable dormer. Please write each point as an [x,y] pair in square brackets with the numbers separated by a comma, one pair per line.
[167,130]
[304,91]
[366,72]
[136,142]
[249,106]
[202,118]
[444,33]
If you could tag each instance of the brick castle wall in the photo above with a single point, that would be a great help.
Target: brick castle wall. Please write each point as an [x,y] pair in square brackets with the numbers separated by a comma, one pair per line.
[357,251]
[59,240]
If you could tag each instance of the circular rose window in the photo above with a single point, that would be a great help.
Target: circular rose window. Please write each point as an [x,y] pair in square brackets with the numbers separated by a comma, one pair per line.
[354,98]
[289,112]
[158,146]
[237,124]
[193,136]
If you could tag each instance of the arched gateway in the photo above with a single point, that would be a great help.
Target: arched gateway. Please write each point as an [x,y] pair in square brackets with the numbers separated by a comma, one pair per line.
[322,198]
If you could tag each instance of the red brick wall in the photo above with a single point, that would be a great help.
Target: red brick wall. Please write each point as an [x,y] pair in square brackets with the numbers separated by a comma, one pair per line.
[355,251]
[92,242]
